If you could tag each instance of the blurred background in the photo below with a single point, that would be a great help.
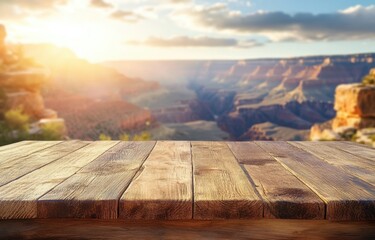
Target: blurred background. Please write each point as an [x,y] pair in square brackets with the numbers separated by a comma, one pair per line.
[187,70]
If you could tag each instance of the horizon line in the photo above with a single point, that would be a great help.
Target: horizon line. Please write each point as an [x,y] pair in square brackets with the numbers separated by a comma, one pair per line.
[242,59]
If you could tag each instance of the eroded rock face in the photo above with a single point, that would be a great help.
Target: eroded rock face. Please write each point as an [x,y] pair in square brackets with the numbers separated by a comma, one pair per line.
[30,80]
[31,102]
[186,112]
[293,115]
[2,40]
[355,106]
[355,100]
[356,122]
[20,87]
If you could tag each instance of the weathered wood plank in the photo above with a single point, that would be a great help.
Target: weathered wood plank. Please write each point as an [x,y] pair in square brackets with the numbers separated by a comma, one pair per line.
[285,195]
[163,188]
[18,199]
[356,149]
[94,191]
[11,170]
[347,197]
[359,167]
[15,145]
[11,154]
[221,188]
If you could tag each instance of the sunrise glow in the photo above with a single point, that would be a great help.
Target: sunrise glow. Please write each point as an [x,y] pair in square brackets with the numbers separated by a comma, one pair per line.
[108,30]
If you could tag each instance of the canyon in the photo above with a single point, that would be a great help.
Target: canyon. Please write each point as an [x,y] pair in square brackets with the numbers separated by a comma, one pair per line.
[260,99]
[247,98]
[91,97]
[254,99]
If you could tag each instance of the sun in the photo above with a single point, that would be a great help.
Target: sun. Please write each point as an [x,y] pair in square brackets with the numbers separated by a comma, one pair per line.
[83,38]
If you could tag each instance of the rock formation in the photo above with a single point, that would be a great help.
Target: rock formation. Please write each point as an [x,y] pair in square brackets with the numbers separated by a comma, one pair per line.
[21,82]
[87,118]
[294,115]
[2,41]
[355,117]
[355,106]
[292,93]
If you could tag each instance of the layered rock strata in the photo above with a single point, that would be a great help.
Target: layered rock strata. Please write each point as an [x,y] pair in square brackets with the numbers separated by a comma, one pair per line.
[21,83]
[355,115]
[355,106]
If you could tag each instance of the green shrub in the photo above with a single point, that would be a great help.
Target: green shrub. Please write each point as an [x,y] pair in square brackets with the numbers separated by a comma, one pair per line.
[17,120]
[52,131]
[14,128]
[103,137]
[5,134]
[144,136]
[369,79]
[124,137]
[355,137]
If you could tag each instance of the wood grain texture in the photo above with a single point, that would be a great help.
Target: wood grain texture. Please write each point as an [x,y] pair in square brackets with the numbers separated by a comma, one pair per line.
[163,187]
[359,167]
[286,197]
[15,145]
[178,180]
[347,197]
[13,169]
[12,152]
[264,229]
[221,188]
[18,199]
[355,149]
[94,191]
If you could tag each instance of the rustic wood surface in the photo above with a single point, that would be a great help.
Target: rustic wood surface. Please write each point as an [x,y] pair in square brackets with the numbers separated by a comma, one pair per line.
[163,187]
[12,169]
[221,188]
[19,198]
[285,196]
[13,152]
[359,167]
[16,145]
[94,191]
[347,197]
[169,180]
[355,149]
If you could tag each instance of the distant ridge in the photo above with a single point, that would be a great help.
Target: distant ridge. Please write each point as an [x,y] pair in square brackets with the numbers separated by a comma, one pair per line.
[291,92]
[371,54]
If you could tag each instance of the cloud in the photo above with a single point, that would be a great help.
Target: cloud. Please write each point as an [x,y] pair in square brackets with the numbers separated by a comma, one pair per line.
[350,24]
[127,16]
[18,9]
[185,41]
[33,4]
[179,1]
[100,4]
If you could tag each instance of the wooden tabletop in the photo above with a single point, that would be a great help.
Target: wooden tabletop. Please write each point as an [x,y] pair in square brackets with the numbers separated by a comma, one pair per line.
[170,180]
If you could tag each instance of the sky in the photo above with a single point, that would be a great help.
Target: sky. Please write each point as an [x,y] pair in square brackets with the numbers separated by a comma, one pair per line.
[103,30]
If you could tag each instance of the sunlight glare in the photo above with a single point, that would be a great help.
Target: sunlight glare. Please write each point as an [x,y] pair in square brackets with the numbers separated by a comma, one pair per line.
[83,38]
